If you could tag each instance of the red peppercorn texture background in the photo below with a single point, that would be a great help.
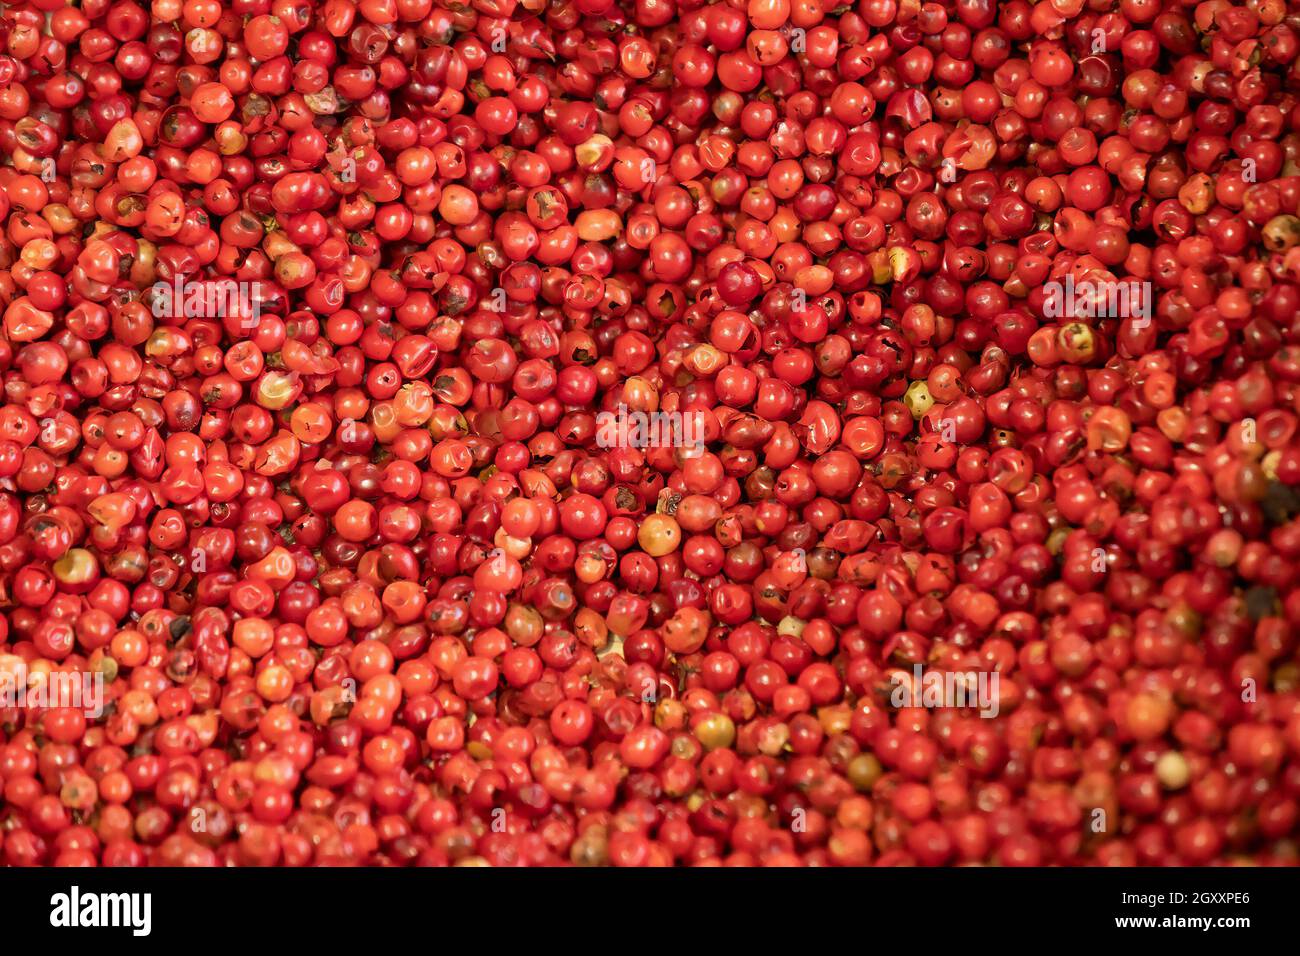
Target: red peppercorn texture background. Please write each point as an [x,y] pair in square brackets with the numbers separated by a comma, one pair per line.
[985,317]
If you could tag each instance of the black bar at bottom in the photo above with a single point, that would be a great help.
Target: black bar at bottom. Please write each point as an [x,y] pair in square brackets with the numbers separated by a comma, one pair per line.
[699,907]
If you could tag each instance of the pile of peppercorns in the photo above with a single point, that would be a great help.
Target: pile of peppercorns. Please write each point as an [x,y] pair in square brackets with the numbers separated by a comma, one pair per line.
[981,319]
